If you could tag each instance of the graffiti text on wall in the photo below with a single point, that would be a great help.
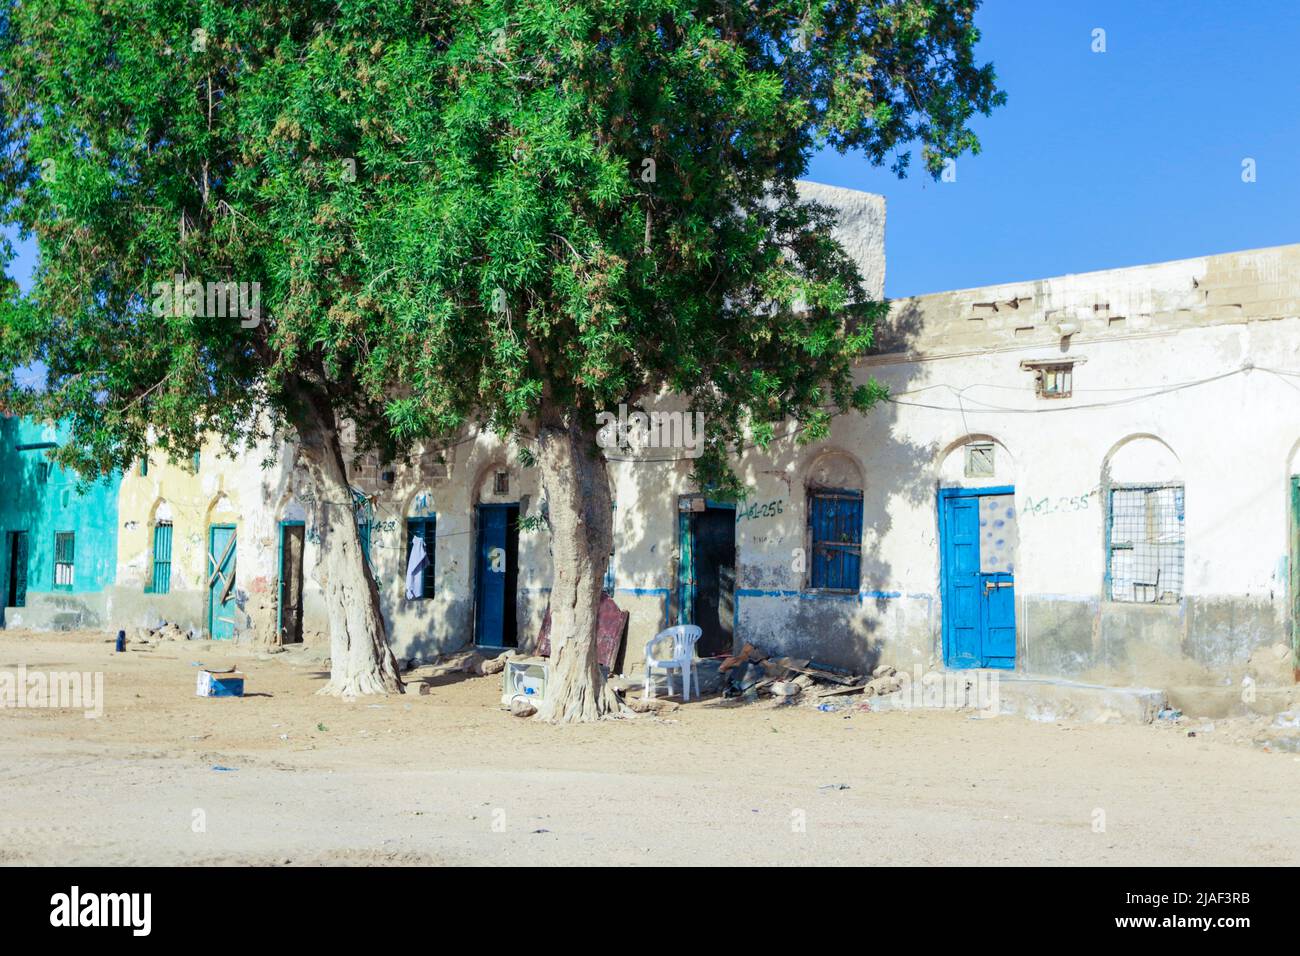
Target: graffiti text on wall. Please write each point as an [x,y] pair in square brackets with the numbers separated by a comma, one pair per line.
[1047,505]
[769,510]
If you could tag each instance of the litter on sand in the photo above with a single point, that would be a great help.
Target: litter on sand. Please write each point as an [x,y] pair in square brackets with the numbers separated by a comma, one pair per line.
[220,684]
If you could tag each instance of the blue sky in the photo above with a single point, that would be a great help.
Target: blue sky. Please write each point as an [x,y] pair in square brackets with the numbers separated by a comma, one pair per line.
[1101,159]
[1106,159]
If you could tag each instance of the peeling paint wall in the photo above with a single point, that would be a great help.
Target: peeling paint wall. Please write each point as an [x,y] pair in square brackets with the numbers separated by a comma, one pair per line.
[1183,377]
[229,488]
[447,486]
[1174,383]
[1183,372]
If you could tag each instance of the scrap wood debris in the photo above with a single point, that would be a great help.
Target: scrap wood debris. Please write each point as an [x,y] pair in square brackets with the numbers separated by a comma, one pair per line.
[753,674]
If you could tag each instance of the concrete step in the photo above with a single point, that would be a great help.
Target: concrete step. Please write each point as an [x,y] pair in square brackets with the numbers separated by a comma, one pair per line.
[1056,698]
[1214,702]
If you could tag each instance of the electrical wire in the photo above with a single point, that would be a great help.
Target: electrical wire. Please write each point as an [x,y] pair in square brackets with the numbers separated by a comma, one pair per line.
[962,407]
[1156,392]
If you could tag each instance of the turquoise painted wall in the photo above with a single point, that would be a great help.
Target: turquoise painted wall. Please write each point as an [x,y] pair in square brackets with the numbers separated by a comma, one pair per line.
[42,506]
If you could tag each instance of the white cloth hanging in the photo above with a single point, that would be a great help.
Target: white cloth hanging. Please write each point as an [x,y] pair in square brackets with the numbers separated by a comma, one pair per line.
[415,569]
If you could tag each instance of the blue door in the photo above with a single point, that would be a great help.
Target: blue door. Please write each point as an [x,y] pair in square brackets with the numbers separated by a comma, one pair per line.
[977,529]
[221,582]
[497,576]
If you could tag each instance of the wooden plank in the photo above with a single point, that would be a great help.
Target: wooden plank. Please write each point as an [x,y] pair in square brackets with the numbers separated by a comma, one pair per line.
[611,621]
[225,554]
[804,667]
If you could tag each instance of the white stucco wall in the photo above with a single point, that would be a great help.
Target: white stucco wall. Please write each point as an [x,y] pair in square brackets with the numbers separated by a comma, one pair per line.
[860,231]
[1184,372]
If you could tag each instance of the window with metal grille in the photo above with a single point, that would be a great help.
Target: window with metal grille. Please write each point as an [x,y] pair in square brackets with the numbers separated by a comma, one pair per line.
[835,520]
[1145,544]
[64,558]
[161,583]
[426,529]
[501,483]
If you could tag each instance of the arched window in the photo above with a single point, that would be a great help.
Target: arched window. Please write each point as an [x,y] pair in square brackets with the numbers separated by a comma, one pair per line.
[161,580]
[1145,539]
[835,523]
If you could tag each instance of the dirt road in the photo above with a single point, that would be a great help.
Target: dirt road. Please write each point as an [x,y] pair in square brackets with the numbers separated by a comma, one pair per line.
[283,776]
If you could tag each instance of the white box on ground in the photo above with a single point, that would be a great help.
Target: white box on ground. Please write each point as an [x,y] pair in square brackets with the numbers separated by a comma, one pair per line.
[524,677]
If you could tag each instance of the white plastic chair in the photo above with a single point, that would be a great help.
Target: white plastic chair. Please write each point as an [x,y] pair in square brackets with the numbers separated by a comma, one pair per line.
[681,659]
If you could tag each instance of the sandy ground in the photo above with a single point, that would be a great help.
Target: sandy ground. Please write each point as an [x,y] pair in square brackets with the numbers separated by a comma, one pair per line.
[449,778]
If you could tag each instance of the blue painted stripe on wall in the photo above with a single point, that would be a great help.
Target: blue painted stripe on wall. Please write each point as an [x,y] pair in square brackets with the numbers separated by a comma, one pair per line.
[821,595]
[637,592]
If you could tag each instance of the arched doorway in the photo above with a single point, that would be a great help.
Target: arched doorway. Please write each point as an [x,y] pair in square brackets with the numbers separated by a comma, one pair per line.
[978,542]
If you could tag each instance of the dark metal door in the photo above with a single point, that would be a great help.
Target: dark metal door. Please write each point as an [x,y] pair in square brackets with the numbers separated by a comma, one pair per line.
[714,554]
[16,579]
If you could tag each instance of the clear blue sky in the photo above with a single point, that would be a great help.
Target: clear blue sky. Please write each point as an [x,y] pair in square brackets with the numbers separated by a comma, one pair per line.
[1106,159]
[1101,159]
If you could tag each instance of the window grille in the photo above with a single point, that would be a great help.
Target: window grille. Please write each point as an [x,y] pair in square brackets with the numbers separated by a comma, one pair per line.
[64,558]
[1146,544]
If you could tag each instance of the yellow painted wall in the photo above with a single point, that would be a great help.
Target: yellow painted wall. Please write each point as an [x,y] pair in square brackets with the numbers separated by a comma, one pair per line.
[194,501]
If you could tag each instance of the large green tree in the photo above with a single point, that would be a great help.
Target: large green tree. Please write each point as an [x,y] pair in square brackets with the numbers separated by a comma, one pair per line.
[515,214]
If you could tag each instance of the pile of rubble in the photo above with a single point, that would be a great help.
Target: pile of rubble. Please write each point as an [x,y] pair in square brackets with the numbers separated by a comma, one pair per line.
[165,631]
[751,674]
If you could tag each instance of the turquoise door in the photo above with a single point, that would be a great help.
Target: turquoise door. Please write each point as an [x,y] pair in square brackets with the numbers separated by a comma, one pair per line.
[977,529]
[221,582]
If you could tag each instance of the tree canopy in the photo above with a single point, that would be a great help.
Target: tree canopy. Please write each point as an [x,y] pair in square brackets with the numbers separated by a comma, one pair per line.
[422,215]
[455,210]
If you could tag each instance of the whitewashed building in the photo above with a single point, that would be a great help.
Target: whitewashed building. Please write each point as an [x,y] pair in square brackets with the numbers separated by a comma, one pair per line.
[1091,476]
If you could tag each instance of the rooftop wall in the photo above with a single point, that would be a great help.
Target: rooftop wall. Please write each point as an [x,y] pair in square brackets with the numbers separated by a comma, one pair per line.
[1256,286]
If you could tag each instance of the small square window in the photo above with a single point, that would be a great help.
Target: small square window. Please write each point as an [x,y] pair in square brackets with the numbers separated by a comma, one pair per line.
[501,483]
[1055,381]
[979,460]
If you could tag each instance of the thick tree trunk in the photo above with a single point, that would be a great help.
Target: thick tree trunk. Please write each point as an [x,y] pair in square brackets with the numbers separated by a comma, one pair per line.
[361,662]
[579,507]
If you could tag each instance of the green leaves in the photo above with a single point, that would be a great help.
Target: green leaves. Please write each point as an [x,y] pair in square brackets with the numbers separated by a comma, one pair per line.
[455,212]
